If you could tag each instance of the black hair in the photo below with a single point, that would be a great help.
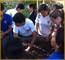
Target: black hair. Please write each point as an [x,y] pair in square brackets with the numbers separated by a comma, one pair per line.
[33,5]
[11,47]
[20,5]
[43,7]
[60,38]
[57,6]
[60,6]
[2,7]
[19,18]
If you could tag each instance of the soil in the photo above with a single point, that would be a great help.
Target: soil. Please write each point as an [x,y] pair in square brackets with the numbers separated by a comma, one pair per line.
[41,48]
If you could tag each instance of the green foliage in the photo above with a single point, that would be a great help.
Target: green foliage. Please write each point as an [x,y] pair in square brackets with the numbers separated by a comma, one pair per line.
[25,12]
[41,2]
[28,2]
[8,5]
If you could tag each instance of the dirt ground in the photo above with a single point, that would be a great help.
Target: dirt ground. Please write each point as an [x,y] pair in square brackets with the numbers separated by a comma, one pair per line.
[41,48]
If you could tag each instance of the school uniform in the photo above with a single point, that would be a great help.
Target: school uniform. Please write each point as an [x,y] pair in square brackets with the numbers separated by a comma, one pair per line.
[33,16]
[44,24]
[56,55]
[5,23]
[25,30]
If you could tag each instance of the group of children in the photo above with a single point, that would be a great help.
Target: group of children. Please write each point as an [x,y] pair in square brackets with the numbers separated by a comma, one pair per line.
[41,24]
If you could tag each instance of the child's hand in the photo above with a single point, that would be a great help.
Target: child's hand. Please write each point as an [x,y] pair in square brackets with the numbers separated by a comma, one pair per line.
[2,34]
[48,37]
[28,49]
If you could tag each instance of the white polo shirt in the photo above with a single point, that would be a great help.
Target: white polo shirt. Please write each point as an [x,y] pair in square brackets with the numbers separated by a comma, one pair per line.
[12,12]
[44,24]
[25,30]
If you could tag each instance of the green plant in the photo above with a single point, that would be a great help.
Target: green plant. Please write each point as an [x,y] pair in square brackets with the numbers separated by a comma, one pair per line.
[8,5]
[25,12]
[28,2]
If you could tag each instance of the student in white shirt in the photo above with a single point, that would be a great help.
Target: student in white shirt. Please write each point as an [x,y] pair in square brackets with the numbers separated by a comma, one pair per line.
[44,25]
[12,12]
[24,27]
[58,18]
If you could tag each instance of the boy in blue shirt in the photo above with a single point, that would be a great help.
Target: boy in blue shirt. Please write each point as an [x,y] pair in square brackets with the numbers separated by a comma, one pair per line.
[6,23]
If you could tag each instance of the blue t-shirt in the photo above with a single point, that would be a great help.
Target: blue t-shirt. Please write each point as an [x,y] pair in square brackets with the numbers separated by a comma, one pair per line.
[5,23]
[56,55]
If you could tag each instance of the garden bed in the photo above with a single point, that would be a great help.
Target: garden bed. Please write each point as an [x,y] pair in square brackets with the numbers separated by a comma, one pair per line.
[40,49]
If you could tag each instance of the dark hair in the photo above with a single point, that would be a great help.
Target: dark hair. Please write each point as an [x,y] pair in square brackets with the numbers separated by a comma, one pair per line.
[19,18]
[60,38]
[57,6]
[11,47]
[33,5]
[43,7]
[60,6]
[2,7]
[20,5]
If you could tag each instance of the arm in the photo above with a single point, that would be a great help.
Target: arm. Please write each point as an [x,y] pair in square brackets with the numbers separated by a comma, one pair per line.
[49,36]
[52,29]
[15,34]
[37,26]
[6,32]
[33,40]
[15,31]
[9,20]
[33,30]
[37,23]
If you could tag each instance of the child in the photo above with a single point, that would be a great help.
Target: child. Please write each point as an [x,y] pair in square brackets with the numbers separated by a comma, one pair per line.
[19,8]
[23,27]
[43,22]
[12,12]
[57,42]
[57,17]
[33,13]
[6,23]
[11,48]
